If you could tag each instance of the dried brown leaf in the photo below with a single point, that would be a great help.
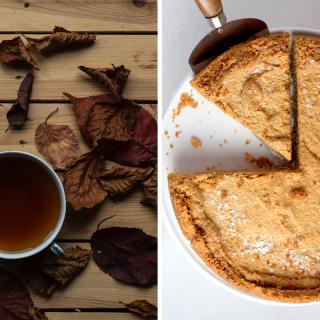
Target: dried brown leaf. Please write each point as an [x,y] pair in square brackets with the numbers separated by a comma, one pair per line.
[46,271]
[83,190]
[14,51]
[18,113]
[83,107]
[112,121]
[150,188]
[118,180]
[60,39]
[143,308]
[114,79]
[57,143]
[36,314]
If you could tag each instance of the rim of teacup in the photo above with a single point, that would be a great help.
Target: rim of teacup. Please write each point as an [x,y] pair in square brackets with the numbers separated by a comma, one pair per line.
[51,237]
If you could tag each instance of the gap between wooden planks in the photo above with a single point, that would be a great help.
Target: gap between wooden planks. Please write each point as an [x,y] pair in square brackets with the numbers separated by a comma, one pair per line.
[91,315]
[128,212]
[59,72]
[93,15]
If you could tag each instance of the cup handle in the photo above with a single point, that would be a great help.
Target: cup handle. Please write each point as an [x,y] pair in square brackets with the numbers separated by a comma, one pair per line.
[56,249]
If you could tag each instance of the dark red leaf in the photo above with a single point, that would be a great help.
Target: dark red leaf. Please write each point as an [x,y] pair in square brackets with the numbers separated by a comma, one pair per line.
[15,299]
[145,131]
[126,254]
[114,79]
[18,113]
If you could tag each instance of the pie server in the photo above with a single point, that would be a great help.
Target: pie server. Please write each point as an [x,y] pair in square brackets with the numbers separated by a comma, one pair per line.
[224,35]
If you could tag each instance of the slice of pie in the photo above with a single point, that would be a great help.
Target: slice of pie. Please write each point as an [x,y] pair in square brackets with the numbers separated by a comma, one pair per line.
[307,63]
[250,82]
[261,230]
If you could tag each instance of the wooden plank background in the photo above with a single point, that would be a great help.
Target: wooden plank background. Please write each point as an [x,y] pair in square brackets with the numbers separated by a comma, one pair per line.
[104,16]
[126,35]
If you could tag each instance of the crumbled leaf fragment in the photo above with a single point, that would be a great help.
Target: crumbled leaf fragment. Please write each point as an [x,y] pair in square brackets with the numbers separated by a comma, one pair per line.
[46,272]
[37,314]
[14,51]
[150,190]
[118,180]
[22,142]
[18,113]
[83,190]
[58,144]
[14,297]
[126,254]
[83,106]
[143,308]
[114,79]
[61,39]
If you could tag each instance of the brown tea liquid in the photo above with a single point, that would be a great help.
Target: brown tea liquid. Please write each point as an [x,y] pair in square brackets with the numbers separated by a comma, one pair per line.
[29,204]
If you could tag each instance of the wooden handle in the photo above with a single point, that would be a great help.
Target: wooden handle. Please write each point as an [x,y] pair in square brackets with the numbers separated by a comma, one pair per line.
[210,8]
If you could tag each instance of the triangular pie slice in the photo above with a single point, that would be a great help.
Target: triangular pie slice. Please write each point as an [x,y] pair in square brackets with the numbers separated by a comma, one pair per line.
[307,64]
[250,82]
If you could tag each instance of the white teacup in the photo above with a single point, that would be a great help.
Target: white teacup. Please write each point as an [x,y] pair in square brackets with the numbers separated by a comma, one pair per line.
[62,213]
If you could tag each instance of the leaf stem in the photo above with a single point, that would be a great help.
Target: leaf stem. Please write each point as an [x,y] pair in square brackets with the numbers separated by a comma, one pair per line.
[51,115]
[104,221]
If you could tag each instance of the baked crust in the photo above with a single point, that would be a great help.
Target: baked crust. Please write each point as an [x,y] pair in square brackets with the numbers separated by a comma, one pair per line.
[260,230]
[187,199]
[250,82]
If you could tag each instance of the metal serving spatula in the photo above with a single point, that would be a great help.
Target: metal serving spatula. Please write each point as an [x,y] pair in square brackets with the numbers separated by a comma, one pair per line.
[224,35]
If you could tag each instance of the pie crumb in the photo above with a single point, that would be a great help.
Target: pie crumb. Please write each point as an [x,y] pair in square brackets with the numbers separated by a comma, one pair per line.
[261,162]
[186,100]
[248,141]
[178,134]
[196,142]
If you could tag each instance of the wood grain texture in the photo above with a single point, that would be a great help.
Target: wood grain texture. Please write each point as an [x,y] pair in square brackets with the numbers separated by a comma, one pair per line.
[128,212]
[59,72]
[91,315]
[94,289]
[93,15]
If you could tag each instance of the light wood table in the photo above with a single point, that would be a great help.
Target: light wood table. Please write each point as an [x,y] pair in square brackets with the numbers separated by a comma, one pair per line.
[127,34]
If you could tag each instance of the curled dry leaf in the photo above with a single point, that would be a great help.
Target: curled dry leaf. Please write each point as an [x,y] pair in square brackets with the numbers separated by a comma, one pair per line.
[126,254]
[14,51]
[60,39]
[36,314]
[83,190]
[112,121]
[57,143]
[114,79]
[118,180]
[82,108]
[18,113]
[15,299]
[46,271]
[143,308]
[150,190]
